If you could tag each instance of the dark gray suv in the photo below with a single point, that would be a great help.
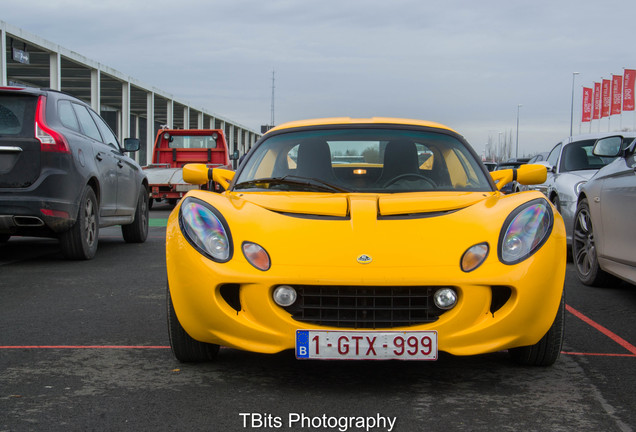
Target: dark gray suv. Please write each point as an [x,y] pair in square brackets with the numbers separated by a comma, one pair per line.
[63,173]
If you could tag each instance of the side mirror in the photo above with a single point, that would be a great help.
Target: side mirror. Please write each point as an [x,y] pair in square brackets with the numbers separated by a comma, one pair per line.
[525,174]
[132,144]
[235,155]
[531,174]
[223,176]
[198,174]
[608,147]
[546,164]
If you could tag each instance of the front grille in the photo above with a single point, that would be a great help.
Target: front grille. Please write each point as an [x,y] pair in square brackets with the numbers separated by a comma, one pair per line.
[365,306]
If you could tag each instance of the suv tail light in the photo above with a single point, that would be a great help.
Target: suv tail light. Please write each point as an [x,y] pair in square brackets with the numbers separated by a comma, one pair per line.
[51,140]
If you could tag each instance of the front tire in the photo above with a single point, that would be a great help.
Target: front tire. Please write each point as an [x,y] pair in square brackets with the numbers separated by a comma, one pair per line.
[184,347]
[584,249]
[547,350]
[137,232]
[80,242]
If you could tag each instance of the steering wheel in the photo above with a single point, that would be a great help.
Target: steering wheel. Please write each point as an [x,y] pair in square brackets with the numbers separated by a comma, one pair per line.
[412,175]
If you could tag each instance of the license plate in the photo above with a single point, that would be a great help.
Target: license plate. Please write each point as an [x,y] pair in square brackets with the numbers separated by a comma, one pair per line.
[185,187]
[366,345]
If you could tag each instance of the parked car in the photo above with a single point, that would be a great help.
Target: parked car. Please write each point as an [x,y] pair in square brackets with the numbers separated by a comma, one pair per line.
[570,164]
[380,258]
[538,157]
[514,185]
[604,241]
[63,173]
[490,165]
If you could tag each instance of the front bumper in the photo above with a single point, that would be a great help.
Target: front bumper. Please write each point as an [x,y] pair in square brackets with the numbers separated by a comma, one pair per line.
[253,322]
[568,211]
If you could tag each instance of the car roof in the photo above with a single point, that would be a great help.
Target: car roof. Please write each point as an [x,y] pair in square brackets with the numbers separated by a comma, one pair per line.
[358,121]
[596,136]
[40,91]
[28,90]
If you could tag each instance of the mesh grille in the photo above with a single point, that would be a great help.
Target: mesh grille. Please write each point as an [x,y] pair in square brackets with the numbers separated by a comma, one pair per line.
[365,306]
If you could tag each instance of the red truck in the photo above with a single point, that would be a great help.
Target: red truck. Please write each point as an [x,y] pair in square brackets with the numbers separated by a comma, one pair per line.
[176,147]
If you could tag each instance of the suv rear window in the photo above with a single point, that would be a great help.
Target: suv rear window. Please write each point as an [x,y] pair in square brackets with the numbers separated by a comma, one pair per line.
[17,116]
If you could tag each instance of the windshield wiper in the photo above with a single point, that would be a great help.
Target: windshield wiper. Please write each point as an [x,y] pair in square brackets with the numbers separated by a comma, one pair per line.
[290,180]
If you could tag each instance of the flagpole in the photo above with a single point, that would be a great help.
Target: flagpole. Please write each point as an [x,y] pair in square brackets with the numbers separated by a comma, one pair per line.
[574,74]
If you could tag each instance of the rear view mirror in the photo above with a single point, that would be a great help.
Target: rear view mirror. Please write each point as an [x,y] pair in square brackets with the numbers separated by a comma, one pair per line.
[608,147]
[131,144]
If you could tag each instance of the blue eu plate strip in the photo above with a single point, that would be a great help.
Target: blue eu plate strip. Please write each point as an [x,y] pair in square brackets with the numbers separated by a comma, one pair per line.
[302,344]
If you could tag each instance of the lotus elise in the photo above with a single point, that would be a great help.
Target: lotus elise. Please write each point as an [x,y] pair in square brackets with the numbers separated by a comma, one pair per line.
[365,239]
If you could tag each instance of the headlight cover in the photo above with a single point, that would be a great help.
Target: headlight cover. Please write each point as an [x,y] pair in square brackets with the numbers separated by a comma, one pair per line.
[526,229]
[578,186]
[205,229]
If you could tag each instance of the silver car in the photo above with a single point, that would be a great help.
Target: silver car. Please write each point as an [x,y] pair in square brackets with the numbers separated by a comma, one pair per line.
[604,241]
[570,165]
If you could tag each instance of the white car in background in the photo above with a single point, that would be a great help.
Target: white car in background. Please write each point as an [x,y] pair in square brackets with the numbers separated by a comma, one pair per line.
[571,163]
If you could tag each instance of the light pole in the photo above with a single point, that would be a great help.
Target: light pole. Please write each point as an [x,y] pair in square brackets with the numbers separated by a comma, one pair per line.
[574,74]
[517,150]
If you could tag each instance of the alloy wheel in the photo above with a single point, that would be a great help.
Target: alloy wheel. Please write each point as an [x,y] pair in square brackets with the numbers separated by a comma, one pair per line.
[90,230]
[583,243]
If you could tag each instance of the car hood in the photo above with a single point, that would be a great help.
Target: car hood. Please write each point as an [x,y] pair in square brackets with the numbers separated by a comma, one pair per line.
[339,205]
[582,174]
[395,230]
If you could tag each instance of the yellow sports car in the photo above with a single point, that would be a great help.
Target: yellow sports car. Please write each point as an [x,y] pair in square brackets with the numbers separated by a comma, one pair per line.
[365,239]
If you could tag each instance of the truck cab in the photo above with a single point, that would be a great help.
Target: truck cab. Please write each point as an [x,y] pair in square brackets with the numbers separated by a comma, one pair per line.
[175,148]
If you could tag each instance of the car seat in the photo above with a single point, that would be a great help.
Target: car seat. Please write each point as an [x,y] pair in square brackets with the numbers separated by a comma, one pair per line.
[576,159]
[314,161]
[400,157]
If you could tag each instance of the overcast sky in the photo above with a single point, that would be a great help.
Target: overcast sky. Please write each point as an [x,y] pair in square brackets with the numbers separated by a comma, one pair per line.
[467,64]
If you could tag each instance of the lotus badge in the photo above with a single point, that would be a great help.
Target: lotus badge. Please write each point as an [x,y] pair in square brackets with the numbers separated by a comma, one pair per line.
[364,259]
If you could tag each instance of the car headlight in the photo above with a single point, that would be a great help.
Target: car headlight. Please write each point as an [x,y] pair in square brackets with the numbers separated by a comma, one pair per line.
[205,229]
[578,186]
[525,231]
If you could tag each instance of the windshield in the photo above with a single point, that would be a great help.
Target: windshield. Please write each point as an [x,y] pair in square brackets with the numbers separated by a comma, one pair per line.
[362,160]
[579,156]
[192,141]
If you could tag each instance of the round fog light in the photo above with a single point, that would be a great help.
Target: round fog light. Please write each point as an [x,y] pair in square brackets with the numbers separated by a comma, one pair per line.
[284,295]
[445,298]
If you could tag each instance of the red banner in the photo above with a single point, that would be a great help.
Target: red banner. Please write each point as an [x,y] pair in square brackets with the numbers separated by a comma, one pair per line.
[617,93]
[628,89]
[607,98]
[587,105]
[596,114]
